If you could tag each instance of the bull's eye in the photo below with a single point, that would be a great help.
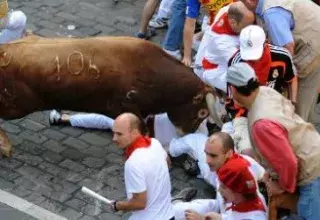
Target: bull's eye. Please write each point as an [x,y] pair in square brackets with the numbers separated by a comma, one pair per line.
[203,113]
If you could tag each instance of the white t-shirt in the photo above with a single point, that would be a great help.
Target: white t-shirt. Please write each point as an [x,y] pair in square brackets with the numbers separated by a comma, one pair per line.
[147,170]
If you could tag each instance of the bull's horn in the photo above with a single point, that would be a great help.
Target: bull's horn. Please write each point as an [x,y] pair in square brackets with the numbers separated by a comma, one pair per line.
[211,103]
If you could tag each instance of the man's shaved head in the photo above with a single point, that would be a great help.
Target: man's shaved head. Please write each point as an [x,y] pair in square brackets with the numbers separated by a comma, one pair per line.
[132,121]
[126,128]
[239,16]
[218,149]
[224,138]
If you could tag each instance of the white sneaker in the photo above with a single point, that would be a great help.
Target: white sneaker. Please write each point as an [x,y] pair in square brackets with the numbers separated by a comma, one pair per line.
[175,53]
[158,23]
[54,117]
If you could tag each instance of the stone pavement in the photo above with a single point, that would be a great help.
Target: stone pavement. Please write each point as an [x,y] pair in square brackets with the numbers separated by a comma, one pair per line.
[51,164]
[10,213]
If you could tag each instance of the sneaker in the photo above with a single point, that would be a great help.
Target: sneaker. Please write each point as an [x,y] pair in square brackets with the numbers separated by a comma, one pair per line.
[158,23]
[146,36]
[212,128]
[185,195]
[190,166]
[54,117]
[175,53]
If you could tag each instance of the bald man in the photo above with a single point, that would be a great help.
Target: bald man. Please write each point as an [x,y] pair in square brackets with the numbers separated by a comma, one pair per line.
[146,172]
[213,153]
[220,42]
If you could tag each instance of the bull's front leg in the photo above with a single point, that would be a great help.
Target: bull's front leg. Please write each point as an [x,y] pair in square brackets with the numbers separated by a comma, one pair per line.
[5,144]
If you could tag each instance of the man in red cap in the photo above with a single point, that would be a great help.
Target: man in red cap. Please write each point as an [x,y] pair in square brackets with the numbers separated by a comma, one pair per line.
[238,186]
[239,189]
[218,149]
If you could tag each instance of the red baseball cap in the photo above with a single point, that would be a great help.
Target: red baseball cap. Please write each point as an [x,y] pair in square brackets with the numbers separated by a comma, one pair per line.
[235,174]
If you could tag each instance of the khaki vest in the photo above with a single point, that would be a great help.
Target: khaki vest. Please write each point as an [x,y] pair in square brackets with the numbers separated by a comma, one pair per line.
[304,138]
[306,32]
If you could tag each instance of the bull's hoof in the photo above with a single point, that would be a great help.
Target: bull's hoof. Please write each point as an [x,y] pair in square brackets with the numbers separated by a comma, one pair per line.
[5,145]
[6,152]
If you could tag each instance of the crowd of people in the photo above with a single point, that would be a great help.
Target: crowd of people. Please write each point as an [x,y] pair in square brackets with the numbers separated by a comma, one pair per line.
[262,59]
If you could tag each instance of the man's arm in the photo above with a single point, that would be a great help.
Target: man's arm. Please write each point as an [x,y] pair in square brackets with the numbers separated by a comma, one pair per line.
[136,185]
[279,23]
[192,13]
[137,202]
[272,141]
[293,90]
[189,27]
[290,47]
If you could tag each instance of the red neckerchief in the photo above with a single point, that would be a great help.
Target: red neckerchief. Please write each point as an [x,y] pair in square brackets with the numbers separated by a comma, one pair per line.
[222,26]
[140,142]
[262,66]
[248,206]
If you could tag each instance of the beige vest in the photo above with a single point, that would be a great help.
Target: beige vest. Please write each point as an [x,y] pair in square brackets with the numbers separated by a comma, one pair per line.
[306,32]
[304,138]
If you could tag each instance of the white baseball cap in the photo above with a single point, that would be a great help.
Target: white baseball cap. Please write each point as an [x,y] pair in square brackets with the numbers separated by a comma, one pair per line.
[252,39]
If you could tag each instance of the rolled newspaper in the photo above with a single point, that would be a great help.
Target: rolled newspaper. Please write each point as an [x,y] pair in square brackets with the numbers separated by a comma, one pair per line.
[95,195]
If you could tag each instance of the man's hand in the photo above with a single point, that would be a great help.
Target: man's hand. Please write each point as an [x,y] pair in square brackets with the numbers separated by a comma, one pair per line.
[113,206]
[274,188]
[192,215]
[186,61]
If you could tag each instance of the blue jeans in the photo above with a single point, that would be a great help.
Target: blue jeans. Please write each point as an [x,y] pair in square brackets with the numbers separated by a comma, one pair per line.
[309,201]
[174,35]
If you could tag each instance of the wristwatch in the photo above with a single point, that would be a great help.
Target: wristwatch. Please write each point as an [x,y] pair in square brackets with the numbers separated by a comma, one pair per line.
[114,206]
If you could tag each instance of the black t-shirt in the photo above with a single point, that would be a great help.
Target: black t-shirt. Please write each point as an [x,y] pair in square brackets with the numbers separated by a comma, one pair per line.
[282,69]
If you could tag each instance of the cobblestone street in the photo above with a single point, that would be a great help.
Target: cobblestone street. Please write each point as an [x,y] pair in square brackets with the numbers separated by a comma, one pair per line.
[51,164]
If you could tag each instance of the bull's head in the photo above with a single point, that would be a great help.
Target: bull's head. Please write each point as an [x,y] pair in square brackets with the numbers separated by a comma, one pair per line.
[189,116]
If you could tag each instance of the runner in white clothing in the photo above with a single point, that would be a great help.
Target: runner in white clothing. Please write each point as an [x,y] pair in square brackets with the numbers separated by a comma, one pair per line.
[146,172]
[164,130]
[220,42]
[211,154]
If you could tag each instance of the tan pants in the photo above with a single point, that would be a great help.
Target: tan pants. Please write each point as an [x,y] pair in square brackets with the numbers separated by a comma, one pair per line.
[307,96]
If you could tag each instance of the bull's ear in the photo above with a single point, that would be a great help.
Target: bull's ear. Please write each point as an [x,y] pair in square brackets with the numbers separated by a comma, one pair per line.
[5,59]
[198,98]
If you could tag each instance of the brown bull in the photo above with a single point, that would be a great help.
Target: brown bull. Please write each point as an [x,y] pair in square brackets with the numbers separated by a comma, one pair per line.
[107,75]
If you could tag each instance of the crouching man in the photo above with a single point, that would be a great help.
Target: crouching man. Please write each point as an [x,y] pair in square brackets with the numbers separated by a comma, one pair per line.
[214,153]
[238,188]
[146,172]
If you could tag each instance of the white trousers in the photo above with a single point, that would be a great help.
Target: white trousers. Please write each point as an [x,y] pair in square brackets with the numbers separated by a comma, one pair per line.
[91,120]
[14,27]
[202,206]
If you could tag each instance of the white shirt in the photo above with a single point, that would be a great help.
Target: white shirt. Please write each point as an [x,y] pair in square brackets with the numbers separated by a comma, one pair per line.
[220,48]
[147,170]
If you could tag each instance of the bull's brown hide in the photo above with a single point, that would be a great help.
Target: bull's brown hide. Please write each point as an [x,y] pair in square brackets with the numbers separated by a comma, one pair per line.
[107,75]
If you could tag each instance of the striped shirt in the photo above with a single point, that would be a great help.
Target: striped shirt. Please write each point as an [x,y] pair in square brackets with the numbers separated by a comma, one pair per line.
[282,69]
